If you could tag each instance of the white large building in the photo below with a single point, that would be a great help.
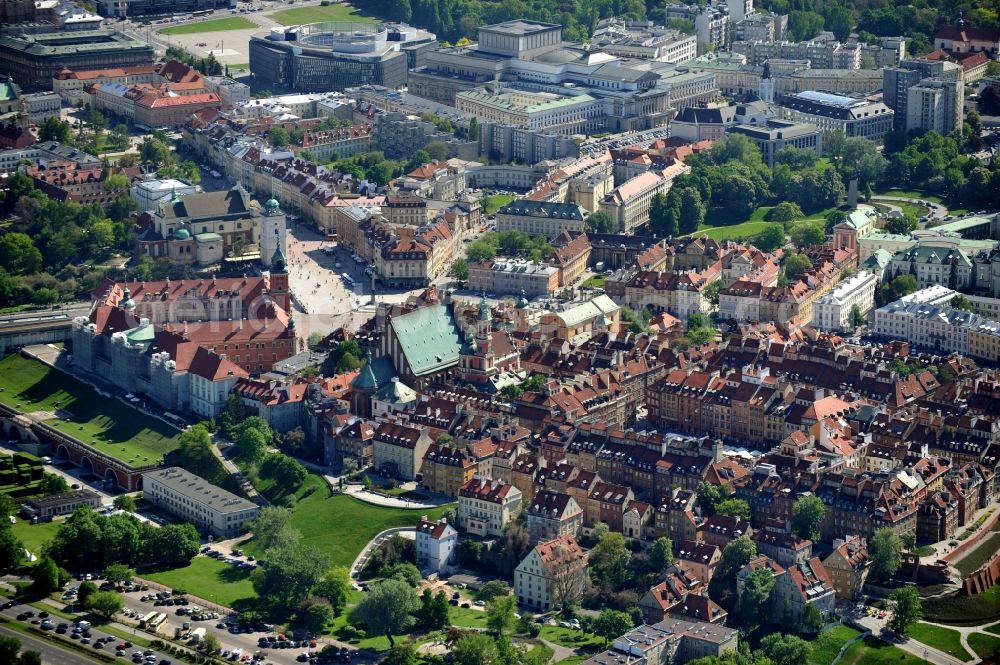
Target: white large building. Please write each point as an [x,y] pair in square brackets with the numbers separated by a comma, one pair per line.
[629,203]
[925,320]
[436,543]
[835,310]
[643,40]
[195,500]
[148,193]
[855,116]
[569,114]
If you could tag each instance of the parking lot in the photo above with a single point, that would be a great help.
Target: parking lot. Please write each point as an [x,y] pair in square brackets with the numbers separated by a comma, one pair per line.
[84,633]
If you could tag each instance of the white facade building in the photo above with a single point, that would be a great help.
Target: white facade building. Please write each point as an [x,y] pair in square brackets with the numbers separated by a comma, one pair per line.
[436,543]
[147,193]
[835,310]
[198,501]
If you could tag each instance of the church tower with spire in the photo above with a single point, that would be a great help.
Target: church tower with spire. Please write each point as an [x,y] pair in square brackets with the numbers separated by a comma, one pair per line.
[477,362]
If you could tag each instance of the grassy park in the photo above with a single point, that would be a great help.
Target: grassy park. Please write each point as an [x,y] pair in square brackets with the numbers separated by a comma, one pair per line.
[872,651]
[108,424]
[943,639]
[217,25]
[494,202]
[209,579]
[984,644]
[719,225]
[826,647]
[316,14]
[317,514]
[33,536]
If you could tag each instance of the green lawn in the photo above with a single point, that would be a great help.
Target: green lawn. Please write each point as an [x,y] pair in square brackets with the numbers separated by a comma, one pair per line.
[217,25]
[984,644]
[744,230]
[943,639]
[208,579]
[871,651]
[972,561]
[595,282]
[914,209]
[573,660]
[107,424]
[995,629]
[542,652]
[910,194]
[494,202]
[300,15]
[33,536]
[573,639]
[342,525]
[826,647]
[954,207]
[720,225]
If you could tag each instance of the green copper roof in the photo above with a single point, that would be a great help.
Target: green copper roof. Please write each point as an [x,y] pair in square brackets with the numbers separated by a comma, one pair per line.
[366,378]
[141,334]
[429,339]
[278,260]
[376,372]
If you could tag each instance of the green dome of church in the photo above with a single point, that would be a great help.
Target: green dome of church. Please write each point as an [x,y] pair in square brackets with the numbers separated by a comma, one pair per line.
[182,234]
[271,205]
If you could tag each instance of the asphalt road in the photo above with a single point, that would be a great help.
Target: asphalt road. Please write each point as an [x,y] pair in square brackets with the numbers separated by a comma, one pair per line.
[95,633]
[51,654]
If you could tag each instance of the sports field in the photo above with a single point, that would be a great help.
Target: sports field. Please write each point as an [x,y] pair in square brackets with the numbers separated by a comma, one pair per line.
[217,25]
[316,14]
[106,423]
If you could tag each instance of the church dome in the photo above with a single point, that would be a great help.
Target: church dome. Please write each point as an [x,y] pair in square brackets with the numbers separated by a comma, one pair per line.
[271,206]
[182,234]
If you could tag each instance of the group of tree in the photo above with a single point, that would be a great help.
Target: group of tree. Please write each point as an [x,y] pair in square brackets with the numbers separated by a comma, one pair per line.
[508,243]
[11,548]
[895,288]
[11,653]
[774,649]
[938,164]
[714,499]
[45,253]
[732,180]
[345,357]
[208,66]
[195,451]
[371,166]
[601,222]
[698,330]
[293,577]
[88,540]
[531,384]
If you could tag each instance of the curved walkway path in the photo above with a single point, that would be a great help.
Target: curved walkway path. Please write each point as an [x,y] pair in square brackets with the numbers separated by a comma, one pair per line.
[916,648]
[362,558]
[937,211]
[847,645]
[359,492]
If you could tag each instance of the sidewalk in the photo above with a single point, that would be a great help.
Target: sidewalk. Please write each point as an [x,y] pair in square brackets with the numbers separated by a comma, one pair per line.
[918,649]
[359,492]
